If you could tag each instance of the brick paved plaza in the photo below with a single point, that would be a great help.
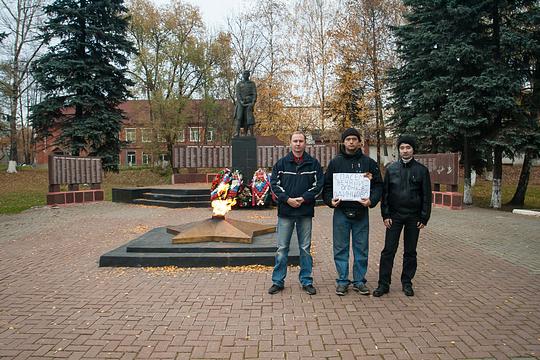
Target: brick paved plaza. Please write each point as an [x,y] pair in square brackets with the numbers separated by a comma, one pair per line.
[477,293]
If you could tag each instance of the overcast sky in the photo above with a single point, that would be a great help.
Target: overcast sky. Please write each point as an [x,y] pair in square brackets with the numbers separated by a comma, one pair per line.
[215,12]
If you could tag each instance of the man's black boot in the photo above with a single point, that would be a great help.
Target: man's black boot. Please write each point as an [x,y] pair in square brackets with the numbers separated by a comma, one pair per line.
[380,291]
[408,290]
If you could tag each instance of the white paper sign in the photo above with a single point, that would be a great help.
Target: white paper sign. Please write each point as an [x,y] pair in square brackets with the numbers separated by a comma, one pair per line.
[351,186]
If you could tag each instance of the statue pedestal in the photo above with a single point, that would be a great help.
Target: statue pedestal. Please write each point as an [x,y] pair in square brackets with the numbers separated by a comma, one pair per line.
[244,155]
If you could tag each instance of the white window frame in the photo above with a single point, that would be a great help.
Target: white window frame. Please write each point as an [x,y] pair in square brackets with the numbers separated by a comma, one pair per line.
[146,135]
[129,154]
[192,131]
[131,131]
[210,134]
[162,158]
[181,136]
[146,158]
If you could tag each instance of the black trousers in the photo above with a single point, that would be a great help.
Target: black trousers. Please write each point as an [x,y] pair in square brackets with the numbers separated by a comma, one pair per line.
[391,242]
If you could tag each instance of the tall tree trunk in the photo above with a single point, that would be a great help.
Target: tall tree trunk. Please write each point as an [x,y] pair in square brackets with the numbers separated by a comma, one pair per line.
[377,87]
[14,101]
[496,194]
[378,132]
[13,153]
[496,189]
[467,188]
[489,166]
[519,196]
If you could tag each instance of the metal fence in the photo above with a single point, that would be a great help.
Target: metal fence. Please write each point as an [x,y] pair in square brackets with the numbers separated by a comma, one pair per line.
[221,156]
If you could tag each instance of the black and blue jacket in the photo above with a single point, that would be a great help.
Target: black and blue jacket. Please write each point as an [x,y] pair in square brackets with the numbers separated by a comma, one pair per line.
[290,179]
[353,163]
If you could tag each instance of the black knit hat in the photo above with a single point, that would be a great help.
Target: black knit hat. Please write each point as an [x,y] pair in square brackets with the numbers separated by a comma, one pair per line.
[407,139]
[349,132]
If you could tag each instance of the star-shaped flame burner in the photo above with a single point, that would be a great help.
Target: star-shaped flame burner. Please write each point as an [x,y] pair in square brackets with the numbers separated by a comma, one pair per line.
[218,229]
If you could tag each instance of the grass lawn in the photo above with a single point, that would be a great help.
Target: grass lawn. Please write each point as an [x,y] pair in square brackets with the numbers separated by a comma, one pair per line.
[28,187]
[482,195]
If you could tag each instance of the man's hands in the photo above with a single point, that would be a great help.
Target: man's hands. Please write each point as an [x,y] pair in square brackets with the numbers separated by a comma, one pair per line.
[365,202]
[336,202]
[295,202]
[388,224]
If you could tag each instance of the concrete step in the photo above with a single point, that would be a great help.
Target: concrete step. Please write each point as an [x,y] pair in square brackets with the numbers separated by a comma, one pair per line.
[179,191]
[176,197]
[173,204]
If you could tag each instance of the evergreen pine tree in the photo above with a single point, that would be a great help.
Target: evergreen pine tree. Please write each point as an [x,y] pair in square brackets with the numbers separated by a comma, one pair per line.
[458,87]
[84,69]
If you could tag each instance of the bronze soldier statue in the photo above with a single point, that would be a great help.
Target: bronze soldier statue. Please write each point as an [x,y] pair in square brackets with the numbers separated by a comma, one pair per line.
[246,96]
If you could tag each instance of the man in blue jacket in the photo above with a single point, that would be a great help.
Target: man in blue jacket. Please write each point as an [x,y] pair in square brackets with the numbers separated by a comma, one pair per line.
[296,180]
[351,217]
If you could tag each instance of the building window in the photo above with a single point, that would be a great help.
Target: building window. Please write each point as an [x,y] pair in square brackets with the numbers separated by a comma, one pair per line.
[209,135]
[131,158]
[146,159]
[161,138]
[181,137]
[194,134]
[163,157]
[146,135]
[131,134]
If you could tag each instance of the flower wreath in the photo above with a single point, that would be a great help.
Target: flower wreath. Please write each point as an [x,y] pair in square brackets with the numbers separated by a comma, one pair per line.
[260,188]
[226,185]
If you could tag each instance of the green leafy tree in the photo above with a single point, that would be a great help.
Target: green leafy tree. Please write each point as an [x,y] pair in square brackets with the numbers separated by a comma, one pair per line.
[84,69]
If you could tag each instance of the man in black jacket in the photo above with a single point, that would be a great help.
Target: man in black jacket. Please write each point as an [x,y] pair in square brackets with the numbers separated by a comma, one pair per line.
[351,216]
[406,203]
[296,180]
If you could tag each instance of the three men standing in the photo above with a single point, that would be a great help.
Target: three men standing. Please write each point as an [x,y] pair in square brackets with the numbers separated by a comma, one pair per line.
[406,204]
[296,180]
[351,217]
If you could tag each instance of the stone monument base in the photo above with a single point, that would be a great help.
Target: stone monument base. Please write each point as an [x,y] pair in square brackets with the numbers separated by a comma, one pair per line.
[244,155]
[155,248]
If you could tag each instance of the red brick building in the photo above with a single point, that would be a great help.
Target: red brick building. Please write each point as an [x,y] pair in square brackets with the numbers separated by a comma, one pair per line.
[138,134]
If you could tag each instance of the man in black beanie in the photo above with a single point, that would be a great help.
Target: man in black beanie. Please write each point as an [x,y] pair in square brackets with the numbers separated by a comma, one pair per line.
[350,218]
[405,204]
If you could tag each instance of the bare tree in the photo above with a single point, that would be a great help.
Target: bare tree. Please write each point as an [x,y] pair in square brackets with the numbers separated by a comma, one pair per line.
[20,19]
[315,21]
[176,62]
[367,42]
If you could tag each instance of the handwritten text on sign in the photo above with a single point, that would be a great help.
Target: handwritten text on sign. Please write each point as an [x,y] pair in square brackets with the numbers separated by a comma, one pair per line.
[351,186]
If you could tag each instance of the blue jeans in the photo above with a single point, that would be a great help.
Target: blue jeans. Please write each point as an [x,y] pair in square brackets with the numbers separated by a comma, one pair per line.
[342,228]
[285,228]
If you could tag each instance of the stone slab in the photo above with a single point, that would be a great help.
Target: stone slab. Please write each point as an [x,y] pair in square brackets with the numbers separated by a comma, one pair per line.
[155,248]
[244,155]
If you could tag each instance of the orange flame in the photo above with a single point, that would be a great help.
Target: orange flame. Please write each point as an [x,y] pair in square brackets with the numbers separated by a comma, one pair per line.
[221,207]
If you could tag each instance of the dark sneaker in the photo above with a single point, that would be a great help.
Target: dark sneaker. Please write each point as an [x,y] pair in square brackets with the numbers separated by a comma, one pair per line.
[341,290]
[408,290]
[309,289]
[362,289]
[274,289]
[380,291]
